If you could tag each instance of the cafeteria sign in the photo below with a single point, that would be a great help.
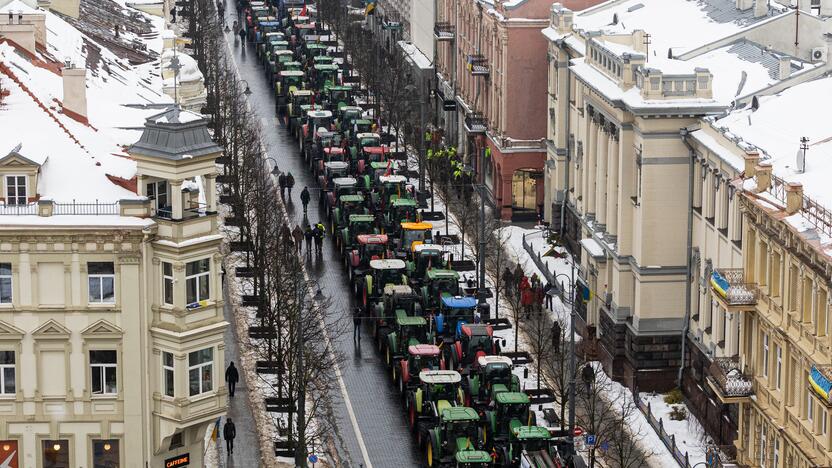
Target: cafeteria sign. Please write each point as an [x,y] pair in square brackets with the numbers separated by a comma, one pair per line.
[181,460]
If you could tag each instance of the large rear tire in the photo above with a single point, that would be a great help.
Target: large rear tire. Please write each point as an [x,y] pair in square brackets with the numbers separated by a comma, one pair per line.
[429,461]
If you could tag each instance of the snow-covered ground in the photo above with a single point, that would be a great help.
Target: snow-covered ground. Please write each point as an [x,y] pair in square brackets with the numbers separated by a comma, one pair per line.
[689,433]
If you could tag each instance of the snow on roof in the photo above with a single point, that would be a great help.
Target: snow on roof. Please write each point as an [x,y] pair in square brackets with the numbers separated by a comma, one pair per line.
[680,25]
[420,59]
[592,247]
[777,127]
[18,6]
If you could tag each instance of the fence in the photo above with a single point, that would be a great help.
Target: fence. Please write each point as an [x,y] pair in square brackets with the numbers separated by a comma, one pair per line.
[541,265]
[85,208]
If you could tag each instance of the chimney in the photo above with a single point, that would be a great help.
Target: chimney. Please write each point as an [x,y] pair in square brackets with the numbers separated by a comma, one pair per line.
[785,69]
[744,4]
[763,173]
[760,8]
[751,159]
[825,8]
[794,197]
[75,93]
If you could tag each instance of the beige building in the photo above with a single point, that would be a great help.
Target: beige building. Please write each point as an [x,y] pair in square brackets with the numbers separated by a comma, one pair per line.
[623,83]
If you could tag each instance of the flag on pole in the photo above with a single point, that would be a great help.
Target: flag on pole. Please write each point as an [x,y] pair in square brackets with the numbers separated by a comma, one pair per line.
[216,432]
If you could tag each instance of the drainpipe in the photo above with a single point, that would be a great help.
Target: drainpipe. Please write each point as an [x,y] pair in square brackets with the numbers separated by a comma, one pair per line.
[684,132]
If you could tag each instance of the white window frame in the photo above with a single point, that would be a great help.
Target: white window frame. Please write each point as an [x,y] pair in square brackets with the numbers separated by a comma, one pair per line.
[199,367]
[17,189]
[3,370]
[100,278]
[168,368]
[7,278]
[763,441]
[779,371]
[765,355]
[154,198]
[198,278]
[101,370]
[776,452]
[810,409]
[167,279]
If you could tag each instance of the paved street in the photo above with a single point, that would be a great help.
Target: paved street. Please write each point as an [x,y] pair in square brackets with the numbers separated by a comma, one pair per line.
[377,410]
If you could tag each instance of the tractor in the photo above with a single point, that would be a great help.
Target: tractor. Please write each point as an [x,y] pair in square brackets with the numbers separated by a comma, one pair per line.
[436,391]
[324,76]
[454,311]
[418,233]
[458,431]
[292,107]
[336,188]
[333,170]
[358,224]
[382,273]
[316,120]
[424,258]
[346,207]
[531,446]
[327,149]
[278,61]
[368,247]
[362,140]
[472,341]
[491,377]
[386,187]
[437,283]
[473,459]
[286,82]
[369,155]
[347,115]
[510,410]
[399,212]
[419,357]
[406,331]
[339,97]
[398,297]
[356,128]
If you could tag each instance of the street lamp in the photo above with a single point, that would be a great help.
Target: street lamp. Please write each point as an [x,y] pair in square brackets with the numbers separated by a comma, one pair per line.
[275,171]
[247,91]
[588,376]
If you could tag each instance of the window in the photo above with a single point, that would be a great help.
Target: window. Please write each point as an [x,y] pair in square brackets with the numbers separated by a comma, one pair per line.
[7,373]
[16,190]
[763,445]
[197,275]
[765,355]
[176,441]
[823,418]
[779,369]
[102,280]
[776,452]
[105,453]
[167,368]
[157,193]
[810,408]
[55,453]
[5,283]
[200,371]
[167,283]
[103,368]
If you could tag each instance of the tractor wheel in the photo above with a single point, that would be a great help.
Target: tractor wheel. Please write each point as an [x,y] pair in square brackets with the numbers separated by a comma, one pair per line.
[387,358]
[429,454]
[419,437]
[411,416]
[402,386]
[394,372]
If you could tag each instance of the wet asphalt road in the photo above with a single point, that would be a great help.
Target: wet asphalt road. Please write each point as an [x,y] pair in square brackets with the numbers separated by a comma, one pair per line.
[377,409]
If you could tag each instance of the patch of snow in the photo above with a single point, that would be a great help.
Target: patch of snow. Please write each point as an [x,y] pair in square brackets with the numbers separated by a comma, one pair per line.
[688,433]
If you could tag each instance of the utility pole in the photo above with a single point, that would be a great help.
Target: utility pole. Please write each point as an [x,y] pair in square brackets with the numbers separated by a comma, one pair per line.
[300,449]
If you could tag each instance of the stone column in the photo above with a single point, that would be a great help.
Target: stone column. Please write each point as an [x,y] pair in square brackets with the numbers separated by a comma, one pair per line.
[589,170]
[612,184]
[601,179]
[176,198]
[210,187]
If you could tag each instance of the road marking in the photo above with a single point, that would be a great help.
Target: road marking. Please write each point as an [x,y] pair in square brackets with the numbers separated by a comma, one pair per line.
[347,402]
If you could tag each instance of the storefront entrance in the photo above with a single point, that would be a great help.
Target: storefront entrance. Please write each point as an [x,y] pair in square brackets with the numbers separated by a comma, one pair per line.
[524,194]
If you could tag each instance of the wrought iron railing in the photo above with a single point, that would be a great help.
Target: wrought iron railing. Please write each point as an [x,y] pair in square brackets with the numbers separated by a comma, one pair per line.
[18,210]
[729,378]
[737,292]
[476,123]
[187,213]
[813,211]
[444,31]
[94,209]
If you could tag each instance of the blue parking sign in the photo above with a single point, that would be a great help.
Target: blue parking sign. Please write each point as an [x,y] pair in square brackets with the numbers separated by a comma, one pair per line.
[590,440]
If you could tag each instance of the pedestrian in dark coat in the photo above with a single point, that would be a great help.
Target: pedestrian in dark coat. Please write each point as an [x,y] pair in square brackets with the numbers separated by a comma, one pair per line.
[290,182]
[231,378]
[243,36]
[508,280]
[518,275]
[281,181]
[319,237]
[304,198]
[547,296]
[285,233]
[229,432]
[297,234]
[356,322]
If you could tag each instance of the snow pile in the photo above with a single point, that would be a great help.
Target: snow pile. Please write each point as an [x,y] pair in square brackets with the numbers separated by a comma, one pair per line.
[688,433]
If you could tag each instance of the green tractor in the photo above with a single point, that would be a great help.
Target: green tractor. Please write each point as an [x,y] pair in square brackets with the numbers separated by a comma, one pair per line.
[424,258]
[458,431]
[454,312]
[419,357]
[399,212]
[398,297]
[356,128]
[531,446]
[473,459]
[292,109]
[436,284]
[347,206]
[382,273]
[361,141]
[277,63]
[492,376]
[358,224]
[367,248]
[511,410]
[473,340]
[347,115]
[327,149]
[436,391]
[406,330]
[339,97]
[333,170]
[324,76]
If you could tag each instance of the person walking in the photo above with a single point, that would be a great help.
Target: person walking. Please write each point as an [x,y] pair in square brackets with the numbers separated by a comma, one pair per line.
[304,198]
[547,292]
[290,182]
[231,378]
[308,235]
[319,237]
[281,182]
[356,322]
[229,432]
[242,34]
[297,234]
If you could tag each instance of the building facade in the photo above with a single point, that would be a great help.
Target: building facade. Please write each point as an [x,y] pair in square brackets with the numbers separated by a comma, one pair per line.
[111,321]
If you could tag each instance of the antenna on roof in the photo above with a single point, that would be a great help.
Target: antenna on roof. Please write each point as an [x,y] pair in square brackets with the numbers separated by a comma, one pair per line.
[755,103]
[801,155]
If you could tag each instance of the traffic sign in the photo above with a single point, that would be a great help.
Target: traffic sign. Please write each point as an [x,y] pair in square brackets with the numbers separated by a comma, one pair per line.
[578,431]
[590,440]
[313,458]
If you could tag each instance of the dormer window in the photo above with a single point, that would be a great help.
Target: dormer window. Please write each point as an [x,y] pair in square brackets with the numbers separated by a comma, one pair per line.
[16,190]
[157,193]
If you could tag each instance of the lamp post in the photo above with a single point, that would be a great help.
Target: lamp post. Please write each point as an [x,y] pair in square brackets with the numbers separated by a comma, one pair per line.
[247,91]
[588,376]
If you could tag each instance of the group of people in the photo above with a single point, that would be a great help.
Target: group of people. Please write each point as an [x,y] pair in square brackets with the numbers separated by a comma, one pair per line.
[311,234]
[531,290]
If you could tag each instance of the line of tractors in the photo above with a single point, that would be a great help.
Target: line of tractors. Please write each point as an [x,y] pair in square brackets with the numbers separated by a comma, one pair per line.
[461,397]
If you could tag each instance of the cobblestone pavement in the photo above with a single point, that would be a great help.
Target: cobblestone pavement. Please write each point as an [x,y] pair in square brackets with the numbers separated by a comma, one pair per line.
[377,410]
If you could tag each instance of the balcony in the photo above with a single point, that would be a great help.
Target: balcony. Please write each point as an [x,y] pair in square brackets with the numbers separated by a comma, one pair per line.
[475,123]
[444,31]
[477,65]
[820,380]
[730,288]
[727,380]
